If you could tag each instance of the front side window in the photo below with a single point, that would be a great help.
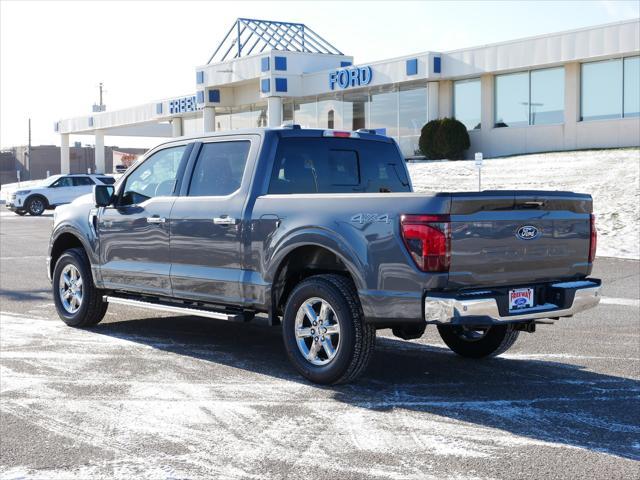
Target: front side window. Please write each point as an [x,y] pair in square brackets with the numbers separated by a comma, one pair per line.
[219,168]
[63,182]
[154,177]
[601,90]
[466,102]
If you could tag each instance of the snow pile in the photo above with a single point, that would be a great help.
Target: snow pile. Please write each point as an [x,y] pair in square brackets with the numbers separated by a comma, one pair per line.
[612,177]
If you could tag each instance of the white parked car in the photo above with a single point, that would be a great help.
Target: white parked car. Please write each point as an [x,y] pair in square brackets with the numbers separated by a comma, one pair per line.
[55,190]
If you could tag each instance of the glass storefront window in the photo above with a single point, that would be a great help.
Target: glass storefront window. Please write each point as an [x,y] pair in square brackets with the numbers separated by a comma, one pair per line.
[383,112]
[330,112]
[249,116]
[223,119]
[601,90]
[305,112]
[412,116]
[547,96]
[466,102]
[287,111]
[354,110]
[631,87]
[512,99]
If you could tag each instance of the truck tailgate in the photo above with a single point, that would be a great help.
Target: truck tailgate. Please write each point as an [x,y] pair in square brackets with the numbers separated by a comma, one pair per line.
[518,237]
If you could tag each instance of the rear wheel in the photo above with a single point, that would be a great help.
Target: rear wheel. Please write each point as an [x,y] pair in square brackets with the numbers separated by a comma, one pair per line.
[478,342]
[36,205]
[78,302]
[324,332]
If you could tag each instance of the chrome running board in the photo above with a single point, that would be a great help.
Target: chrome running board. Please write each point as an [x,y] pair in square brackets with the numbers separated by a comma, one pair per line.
[164,307]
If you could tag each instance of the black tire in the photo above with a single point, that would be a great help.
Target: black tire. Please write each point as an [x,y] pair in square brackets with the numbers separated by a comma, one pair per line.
[21,212]
[357,338]
[36,205]
[92,308]
[497,339]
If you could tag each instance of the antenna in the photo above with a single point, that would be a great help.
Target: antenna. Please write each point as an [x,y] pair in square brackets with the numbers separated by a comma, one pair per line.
[101,107]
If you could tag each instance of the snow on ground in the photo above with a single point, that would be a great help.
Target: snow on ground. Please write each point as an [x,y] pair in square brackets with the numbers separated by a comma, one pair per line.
[612,177]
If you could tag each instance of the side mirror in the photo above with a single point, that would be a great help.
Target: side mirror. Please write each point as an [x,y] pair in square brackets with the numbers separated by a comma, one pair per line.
[103,195]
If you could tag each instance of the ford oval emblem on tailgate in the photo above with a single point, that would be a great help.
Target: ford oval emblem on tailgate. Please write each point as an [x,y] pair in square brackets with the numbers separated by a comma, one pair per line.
[527,232]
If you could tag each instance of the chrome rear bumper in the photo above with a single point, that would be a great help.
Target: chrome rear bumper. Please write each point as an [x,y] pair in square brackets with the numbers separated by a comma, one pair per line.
[467,311]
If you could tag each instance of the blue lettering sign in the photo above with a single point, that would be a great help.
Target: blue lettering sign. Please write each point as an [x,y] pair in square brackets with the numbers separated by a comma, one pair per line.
[183,105]
[350,77]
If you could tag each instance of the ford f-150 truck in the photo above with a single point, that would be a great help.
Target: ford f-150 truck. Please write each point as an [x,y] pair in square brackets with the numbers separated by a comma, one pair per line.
[320,231]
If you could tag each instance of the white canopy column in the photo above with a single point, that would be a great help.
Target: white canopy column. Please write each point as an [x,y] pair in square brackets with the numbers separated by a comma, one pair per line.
[209,119]
[176,127]
[99,155]
[274,111]
[65,162]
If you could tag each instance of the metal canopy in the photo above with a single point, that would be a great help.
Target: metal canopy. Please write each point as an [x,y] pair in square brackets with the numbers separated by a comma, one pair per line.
[248,36]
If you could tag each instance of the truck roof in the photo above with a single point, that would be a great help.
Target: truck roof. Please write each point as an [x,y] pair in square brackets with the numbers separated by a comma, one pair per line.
[284,131]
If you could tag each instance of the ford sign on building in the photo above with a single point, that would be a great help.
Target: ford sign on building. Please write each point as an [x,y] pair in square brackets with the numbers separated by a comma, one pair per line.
[535,94]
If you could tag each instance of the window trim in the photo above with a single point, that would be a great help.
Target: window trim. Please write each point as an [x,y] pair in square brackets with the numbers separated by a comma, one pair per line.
[123,180]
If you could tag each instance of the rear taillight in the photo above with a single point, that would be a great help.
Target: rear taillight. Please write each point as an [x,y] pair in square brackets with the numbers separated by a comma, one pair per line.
[593,241]
[428,240]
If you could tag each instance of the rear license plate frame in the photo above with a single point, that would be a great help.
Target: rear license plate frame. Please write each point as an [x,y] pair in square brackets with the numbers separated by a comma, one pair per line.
[521,299]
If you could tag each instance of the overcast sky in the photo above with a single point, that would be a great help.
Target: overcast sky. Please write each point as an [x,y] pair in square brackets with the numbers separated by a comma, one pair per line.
[54,54]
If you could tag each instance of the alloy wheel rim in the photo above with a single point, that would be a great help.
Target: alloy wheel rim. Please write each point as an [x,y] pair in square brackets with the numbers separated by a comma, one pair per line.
[317,329]
[36,206]
[71,289]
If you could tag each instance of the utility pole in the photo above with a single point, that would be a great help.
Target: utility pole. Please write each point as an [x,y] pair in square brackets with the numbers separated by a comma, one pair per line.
[101,104]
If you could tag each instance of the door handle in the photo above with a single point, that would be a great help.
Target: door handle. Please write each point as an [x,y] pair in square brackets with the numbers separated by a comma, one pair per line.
[156,219]
[224,220]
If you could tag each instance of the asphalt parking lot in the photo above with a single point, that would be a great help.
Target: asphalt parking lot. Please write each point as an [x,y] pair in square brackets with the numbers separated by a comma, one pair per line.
[145,395]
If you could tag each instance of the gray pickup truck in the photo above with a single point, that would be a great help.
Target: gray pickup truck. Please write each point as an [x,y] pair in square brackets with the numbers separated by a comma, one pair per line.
[320,231]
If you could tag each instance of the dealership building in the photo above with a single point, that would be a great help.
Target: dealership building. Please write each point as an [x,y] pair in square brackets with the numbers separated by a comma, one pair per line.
[563,91]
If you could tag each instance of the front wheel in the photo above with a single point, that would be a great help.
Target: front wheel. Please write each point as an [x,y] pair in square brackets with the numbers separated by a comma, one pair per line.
[478,342]
[324,332]
[78,302]
[35,206]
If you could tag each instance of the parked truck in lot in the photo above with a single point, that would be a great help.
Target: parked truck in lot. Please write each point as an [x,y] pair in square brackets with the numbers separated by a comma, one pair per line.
[320,231]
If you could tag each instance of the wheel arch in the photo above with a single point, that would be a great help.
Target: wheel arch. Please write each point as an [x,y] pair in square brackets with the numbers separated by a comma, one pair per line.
[37,195]
[65,240]
[311,253]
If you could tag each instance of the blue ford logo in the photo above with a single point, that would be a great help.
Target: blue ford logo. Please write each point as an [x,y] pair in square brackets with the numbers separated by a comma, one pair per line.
[520,301]
[527,232]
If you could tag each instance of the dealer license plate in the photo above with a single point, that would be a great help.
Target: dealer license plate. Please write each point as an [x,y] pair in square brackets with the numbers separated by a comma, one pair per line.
[520,298]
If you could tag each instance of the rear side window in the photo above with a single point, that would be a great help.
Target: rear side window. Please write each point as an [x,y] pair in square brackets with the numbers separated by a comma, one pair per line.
[82,181]
[107,180]
[219,168]
[337,165]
